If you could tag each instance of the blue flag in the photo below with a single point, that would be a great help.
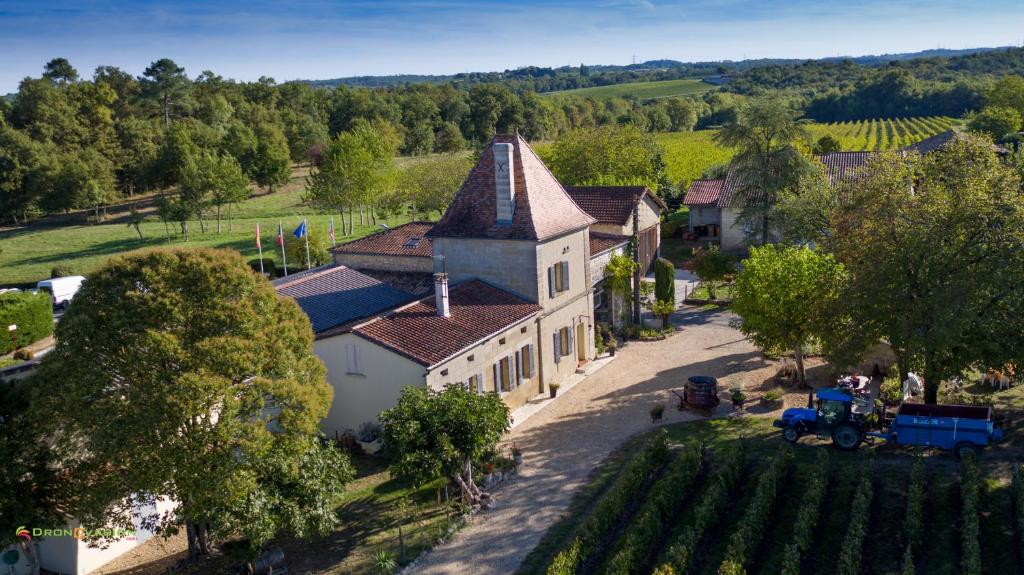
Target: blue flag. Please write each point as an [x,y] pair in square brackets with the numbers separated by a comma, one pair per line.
[300,231]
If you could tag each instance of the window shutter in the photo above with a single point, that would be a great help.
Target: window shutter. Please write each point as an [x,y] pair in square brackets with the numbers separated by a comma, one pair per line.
[571,348]
[497,377]
[513,368]
[558,347]
[565,275]
[519,368]
[529,354]
[480,383]
[552,288]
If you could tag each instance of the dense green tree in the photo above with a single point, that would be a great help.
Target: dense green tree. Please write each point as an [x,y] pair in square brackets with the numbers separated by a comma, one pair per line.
[493,108]
[449,139]
[827,144]
[442,433]
[166,84]
[712,266]
[216,180]
[607,156]
[934,246]
[357,169]
[82,179]
[430,185]
[682,113]
[20,159]
[998,122]
[182,374]
[179,147]
[272,164]
[768,163]
[1008,92]
[240,141]
[61,71]
[783,294]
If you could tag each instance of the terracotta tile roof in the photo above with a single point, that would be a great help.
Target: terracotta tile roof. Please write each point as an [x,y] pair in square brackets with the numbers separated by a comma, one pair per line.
[704,192]
[731,190]
[611,204]
[333,295]
[478,310]
[600,242]
[843,165]
[405,240]
[542,208]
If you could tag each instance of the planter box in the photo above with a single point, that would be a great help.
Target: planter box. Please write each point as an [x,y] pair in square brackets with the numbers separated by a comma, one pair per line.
[654,323]
[771,403]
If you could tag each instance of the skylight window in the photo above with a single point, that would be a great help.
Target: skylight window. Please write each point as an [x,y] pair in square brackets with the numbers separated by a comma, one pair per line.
[412,242]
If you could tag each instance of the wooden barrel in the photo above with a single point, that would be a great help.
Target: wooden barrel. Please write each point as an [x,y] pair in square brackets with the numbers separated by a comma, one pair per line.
[702,392]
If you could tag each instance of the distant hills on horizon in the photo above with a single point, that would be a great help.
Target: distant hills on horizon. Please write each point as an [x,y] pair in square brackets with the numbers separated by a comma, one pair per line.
[697,68]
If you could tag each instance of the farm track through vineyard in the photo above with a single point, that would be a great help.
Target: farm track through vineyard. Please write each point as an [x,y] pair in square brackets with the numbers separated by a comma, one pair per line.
[794,510]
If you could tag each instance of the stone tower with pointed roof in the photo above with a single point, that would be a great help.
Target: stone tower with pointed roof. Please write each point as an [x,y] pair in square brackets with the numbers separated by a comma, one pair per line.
[513,225]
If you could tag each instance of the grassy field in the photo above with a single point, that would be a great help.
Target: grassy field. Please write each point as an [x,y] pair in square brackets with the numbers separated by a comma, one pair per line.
[29,253]
[642,90]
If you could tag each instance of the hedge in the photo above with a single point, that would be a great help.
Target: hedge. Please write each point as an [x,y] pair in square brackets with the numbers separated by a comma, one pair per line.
[32,313]
[664,280]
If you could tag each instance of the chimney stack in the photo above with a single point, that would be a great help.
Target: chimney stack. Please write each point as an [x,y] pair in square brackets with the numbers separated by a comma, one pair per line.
[441,294]
[504,182]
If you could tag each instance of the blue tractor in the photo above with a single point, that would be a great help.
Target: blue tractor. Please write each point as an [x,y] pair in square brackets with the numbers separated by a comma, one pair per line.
[843,417]
[838,415]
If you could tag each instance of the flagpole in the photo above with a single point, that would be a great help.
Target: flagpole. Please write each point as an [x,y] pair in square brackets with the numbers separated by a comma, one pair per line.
[305,228]
[259,246]
[280,238]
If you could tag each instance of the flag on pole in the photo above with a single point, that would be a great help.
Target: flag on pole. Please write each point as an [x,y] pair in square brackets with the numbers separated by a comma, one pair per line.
[331,232]
[302,232]
[259,246]
[280,242]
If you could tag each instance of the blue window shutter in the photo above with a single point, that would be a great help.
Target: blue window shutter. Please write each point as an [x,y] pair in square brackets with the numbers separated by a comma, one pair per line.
[558,347]
[513,368]
[497,377]
[529,352]
[552,288]
[519,368]
[570,331]
[480,383]
[565,275]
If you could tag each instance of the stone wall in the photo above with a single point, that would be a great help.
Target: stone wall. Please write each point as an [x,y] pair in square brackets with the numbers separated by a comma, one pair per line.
[508,264]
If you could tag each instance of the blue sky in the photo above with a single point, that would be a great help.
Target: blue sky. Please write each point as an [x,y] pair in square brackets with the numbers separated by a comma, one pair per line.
[322,39]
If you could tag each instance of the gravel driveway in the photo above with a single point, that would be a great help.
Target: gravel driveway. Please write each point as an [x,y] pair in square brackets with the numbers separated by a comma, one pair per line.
[563,443]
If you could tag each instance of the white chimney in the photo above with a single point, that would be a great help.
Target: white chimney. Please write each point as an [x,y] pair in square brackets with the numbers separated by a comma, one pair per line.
[504,182]
[441,294]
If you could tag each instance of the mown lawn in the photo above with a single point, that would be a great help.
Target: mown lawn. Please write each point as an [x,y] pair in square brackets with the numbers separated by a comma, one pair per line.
[29,253]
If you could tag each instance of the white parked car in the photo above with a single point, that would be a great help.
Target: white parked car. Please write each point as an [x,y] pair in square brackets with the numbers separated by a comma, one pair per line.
[61,290]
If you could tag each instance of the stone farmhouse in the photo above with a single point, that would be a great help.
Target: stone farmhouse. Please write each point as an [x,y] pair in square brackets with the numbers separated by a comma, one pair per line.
[498,296]
[715,204]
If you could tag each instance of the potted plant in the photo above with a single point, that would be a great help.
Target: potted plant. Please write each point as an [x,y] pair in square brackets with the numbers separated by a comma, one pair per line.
[613,344]
[656,413]
[772,399]
[553,388]
[738,398]
[517,455]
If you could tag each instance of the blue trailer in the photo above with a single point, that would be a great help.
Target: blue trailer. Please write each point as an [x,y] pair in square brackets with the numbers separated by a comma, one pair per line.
[843,418]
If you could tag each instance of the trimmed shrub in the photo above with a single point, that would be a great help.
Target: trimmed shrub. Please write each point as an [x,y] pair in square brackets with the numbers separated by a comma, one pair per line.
[269,267]
[664,280]
[61,271]
[32,313]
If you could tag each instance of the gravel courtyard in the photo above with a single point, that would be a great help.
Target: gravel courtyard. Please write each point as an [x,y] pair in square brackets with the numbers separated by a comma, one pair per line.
[563,443]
